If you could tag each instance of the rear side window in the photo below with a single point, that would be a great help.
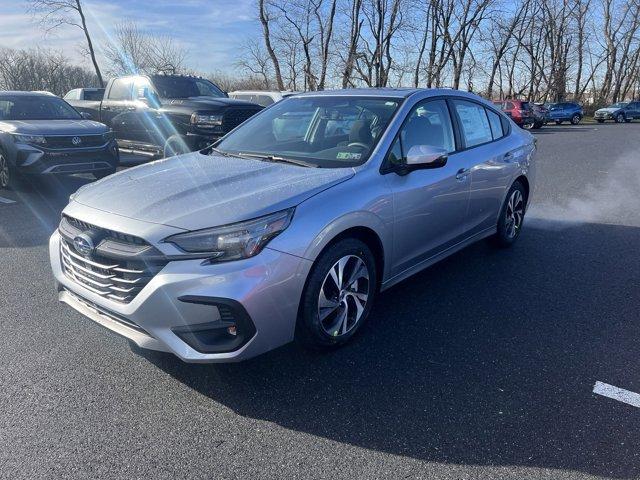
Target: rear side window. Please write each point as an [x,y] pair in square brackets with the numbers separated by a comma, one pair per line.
[496,125]
[73,95]
[473,123]
[264,100]
[93,95]
[509,106]
[121,89]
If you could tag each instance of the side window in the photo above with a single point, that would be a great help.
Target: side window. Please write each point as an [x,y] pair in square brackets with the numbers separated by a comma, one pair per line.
[473,122]
[121,89]
[509,106]
[496,124]
[264,100]
[72,95]
[428,124]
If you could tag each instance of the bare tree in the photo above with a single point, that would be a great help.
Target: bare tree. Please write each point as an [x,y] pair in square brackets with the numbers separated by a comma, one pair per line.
[57,13]
[135,51]
[266,33]
[41,70]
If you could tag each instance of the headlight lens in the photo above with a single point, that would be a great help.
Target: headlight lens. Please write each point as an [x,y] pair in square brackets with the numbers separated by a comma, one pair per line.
[32,139]
[235,241]
[206,120]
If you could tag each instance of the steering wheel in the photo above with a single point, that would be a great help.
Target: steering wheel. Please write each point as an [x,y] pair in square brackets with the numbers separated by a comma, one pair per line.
[358,144]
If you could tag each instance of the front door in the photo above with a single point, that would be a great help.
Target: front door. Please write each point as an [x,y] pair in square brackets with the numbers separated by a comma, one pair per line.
[430,206]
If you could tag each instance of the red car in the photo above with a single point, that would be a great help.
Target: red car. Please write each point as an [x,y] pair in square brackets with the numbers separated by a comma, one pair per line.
[521,112]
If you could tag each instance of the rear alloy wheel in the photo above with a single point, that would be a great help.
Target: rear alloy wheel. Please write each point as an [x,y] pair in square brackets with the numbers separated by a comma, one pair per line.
[619,118]
[575,120]
[338,296]
[511,216]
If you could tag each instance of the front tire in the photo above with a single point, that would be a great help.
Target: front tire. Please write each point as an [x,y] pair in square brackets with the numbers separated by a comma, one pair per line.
[338,296]
[8,174]
[511,216]
[619,118]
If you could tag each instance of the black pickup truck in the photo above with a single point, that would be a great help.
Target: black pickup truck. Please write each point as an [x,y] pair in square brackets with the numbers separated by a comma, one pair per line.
[164,115]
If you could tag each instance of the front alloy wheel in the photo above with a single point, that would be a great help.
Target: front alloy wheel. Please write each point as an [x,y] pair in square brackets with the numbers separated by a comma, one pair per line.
[5,172]
[338,296]
[343,295]
[619,118]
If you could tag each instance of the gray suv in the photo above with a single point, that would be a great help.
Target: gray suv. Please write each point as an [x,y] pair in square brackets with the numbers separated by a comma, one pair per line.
[291,225]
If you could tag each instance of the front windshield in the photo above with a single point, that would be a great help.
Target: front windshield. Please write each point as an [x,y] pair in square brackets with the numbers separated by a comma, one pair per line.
[325,131]
[619,105]
[36,107]
[184,87]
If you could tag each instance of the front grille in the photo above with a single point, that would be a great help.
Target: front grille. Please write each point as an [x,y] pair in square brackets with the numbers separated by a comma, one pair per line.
[66,141]
[235,116]
[119,266]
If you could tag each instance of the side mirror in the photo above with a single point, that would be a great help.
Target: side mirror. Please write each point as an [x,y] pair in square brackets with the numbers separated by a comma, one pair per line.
[425,156]
[86,115]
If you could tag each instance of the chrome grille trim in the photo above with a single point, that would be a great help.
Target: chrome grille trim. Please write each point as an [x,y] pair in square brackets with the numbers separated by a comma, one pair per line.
[109,280]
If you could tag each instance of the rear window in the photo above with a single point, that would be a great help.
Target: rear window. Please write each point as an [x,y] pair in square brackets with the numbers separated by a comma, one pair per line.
[496,125]
[474,122]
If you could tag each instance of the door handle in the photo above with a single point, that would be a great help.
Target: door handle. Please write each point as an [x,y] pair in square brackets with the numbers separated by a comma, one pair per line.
[462,173]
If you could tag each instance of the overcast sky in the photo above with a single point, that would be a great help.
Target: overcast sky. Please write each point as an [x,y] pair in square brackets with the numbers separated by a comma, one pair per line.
[210,29]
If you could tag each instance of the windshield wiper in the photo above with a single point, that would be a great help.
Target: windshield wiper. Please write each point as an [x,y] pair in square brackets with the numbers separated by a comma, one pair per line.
[224,154]
[278,159]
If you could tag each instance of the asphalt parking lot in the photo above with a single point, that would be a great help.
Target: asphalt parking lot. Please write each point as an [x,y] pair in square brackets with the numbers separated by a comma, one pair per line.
[483,366]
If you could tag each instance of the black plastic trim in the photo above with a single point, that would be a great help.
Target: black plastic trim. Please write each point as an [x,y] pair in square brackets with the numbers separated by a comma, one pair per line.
[232,313]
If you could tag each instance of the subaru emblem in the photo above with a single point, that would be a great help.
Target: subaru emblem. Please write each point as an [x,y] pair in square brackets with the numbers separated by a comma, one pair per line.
[76,140]
[83,244]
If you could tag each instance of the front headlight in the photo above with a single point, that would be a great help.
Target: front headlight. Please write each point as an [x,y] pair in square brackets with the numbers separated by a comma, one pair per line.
[31,139]
[235,241]
[206,120]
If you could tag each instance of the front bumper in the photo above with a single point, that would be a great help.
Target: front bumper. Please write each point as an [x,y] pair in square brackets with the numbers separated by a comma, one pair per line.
[31,159]
[268,287]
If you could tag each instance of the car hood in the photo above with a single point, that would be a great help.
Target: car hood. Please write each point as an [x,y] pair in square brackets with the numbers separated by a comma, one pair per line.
[195,191]
[206,102]
[608,110]
[53,127]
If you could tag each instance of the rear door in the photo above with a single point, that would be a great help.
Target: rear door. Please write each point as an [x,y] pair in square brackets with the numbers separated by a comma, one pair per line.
[490,156]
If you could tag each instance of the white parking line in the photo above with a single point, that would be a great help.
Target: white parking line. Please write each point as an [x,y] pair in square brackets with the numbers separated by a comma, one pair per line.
[620,394]
[6,200]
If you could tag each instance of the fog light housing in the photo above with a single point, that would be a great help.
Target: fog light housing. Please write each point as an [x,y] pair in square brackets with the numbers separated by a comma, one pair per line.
[231,332]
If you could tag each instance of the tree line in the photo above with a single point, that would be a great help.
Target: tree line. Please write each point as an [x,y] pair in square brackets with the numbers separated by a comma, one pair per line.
[543,50]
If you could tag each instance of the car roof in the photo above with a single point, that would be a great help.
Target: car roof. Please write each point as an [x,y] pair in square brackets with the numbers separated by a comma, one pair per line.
[20,93]
[387,92]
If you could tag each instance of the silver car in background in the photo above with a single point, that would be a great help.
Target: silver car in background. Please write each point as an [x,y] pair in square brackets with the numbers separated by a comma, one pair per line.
[291,225]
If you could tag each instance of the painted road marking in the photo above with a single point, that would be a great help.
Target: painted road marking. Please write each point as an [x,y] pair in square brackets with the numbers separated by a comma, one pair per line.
[620,394]
[6,200]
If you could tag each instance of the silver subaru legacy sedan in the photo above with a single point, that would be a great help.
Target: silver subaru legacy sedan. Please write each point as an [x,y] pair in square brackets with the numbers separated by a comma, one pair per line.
[290,226]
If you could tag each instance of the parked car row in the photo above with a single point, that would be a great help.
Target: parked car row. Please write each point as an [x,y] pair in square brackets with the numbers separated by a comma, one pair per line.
[530,115]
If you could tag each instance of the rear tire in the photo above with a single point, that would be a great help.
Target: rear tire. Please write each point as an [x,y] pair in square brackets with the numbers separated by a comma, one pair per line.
[511,216]
[575,120]
[338,296]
